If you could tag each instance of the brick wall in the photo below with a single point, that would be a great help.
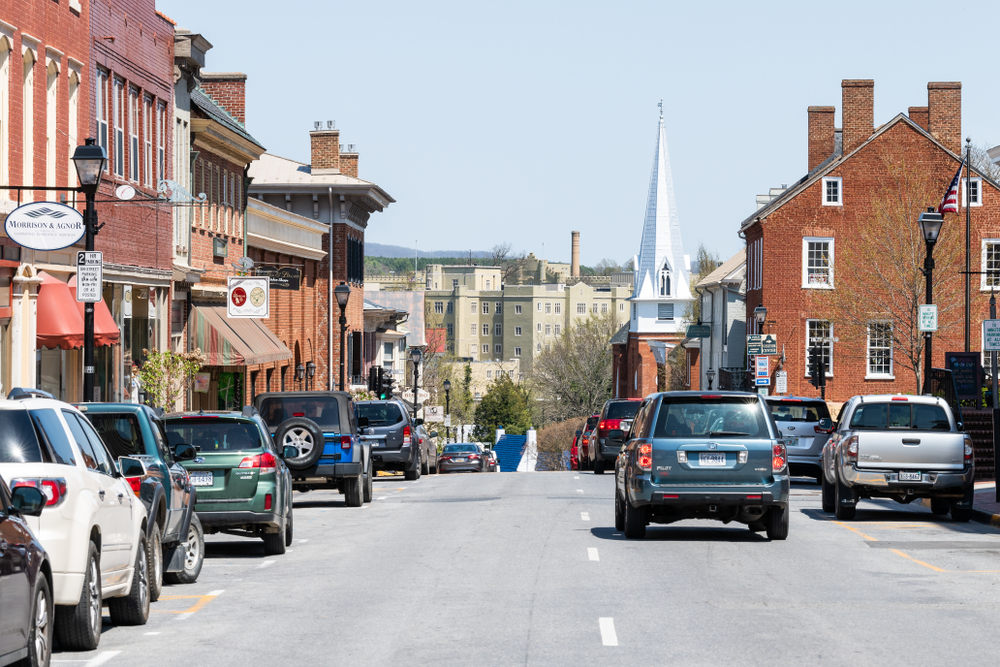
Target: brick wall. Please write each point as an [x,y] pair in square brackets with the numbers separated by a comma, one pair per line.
[858,111]
[217,218]
[349,164]
[325,149]
[229,90]
[944,106]
[919,115]
[820,134]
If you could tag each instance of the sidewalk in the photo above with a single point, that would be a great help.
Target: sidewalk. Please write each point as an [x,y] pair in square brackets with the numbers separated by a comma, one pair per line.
[985,508]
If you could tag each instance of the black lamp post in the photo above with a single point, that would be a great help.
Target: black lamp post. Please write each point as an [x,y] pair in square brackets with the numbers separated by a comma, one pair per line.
[89,161]
[760,314]
[310,373]
[447,407]
[415,356]
[930,226]
[300,372]
[710,374]
[343,293]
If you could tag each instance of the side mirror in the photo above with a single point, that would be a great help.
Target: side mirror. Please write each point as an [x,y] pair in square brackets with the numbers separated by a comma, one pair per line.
[184,452]
[418,421]
[960,426]
[825,424]
[131,467]
[362,422]
[27,500]
[290,452]
[434,434]
[616,435]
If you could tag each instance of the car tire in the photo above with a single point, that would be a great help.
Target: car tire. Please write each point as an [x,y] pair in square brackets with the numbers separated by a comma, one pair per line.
[40,628]
[413,474]
[194,555]
[829,497]
[274,543]
[78,628]
[940,506]
[425,468]
[289,529]
[133,609]
[841,511]
[354,491]
[368,485]
[155,564]
[619,512]
[599,467]
[776,523]
[303,434]
[635,521]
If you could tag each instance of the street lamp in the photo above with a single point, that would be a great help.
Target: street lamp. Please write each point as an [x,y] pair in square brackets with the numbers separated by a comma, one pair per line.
[300,372]
[760,314]
[89,161]
[447,407]
[415,356]
[710,374]
[310,372]
[930,223]
[343,293]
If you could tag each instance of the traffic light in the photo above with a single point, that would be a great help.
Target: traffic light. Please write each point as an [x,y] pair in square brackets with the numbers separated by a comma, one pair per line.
[373,384]
[817,367]
[387,387]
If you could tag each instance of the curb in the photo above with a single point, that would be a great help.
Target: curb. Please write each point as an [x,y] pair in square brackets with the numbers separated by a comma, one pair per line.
[988,518]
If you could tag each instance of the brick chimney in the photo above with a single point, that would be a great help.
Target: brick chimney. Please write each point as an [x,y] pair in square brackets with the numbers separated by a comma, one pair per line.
[349,160]
[944,113]
[229,90]
[574,267]
[858,110]
[919,116]
[325,153]
[820,134]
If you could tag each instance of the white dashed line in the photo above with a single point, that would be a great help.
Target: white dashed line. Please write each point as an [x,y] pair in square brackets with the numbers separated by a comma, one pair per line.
[150,634]
[217,593]
[579,490]
[265,564]
[592,553]
[585,516]
[303,541]
[381,498]
[576,477]
[608,635]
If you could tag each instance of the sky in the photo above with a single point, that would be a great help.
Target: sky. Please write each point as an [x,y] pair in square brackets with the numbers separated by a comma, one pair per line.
[519,122]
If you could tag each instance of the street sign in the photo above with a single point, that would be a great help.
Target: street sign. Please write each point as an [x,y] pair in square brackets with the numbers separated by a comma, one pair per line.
[447,421]
[769,344]
[248,297]
[89,276]
[762,391]
[991,335]
[763,382]
[763,367]
[699,331]
[928,317]
[781,382]
[433,413]
[44,225]
[754,344]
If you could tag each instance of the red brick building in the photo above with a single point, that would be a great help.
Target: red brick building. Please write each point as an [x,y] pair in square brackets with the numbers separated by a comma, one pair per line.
[804,244]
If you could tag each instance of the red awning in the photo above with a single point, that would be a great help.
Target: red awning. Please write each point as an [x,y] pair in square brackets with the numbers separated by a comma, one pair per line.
[105,330]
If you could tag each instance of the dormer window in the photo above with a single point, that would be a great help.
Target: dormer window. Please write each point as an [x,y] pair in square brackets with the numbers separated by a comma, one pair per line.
[665,280]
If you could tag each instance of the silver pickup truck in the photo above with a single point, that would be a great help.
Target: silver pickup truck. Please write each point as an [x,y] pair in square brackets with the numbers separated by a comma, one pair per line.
[899,447]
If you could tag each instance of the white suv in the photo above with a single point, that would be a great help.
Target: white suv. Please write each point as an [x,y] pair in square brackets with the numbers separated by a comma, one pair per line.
[93,526]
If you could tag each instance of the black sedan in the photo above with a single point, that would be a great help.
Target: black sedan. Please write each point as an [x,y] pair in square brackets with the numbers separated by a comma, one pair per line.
[25,593]
[463,456]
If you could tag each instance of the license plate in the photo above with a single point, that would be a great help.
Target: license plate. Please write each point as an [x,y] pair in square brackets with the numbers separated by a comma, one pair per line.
[712,459]
[459,460]
[909,477]
[805,443]
[202,479]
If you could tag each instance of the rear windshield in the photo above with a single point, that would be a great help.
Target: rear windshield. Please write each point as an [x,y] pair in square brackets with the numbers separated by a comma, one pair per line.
[379,414]
[460,449]
[622,409]
[18,440]
[798,411]
[214,435]
[120,432]
[708,418]
[324,410]
[900,415]
[592,422]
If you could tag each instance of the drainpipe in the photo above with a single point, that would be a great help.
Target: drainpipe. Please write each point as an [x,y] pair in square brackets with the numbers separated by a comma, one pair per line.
[329,300]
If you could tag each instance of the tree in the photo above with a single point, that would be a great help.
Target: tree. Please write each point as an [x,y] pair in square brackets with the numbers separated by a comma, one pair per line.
[573,377]
[983,163]
[607,267]
[706,261]
[166,376]
[879,280]
[510,263]
[505,404]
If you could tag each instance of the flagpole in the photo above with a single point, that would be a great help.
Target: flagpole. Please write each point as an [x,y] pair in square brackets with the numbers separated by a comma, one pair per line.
[968,236]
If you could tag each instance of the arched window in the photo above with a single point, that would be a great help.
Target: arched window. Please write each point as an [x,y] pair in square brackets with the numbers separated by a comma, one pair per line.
[5,50]
[665,279]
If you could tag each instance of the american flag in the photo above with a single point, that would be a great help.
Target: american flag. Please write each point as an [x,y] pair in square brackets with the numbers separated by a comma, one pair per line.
[950,200]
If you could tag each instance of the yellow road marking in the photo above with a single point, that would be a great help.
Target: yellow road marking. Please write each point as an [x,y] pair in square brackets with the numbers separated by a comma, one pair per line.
[852,528]
[920,562]
[197,606]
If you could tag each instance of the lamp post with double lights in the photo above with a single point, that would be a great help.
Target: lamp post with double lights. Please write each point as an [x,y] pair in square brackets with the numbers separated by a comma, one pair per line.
[343,293]
[300,373]
[310,373]
[447,408]
[930,222]
[415,356]
[710,374]
[89,161]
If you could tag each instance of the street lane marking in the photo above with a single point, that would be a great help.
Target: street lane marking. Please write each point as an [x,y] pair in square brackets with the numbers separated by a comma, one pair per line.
[576,477]
[99,659]
[381,498]
[150,634]
[855,530]
[202,600]
[608,635]
[920,562]
[585,516]
[303,541]
[579,490]
[909,557]
[592,553]
[265,564]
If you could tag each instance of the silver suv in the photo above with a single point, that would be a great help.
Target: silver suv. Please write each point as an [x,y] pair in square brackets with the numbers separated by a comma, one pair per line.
[797,419]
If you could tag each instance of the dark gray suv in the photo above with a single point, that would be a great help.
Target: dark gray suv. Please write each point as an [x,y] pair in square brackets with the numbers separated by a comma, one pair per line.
[392,435]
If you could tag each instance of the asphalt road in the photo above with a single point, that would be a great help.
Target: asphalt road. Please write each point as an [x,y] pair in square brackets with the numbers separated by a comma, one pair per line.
[527,569]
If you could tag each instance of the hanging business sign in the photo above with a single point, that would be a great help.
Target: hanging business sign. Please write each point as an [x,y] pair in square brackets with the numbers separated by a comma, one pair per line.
[248,297]
[281,277]
[89,276]
[44,225]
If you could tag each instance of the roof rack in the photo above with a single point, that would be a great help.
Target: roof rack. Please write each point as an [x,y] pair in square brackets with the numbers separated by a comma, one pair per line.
[20,393]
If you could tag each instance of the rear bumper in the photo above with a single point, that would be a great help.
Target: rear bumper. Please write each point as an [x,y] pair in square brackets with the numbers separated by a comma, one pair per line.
[459,467]
[888,480]
[607,450]
[244,518]
[644,492]
[328,470]
[391,456]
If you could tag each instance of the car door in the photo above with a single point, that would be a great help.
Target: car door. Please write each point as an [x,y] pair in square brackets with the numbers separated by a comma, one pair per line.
[15,591]
[177,478]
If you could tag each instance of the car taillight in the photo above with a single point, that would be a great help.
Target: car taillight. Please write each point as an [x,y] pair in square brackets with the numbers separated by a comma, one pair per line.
[266,462]
[406,436]
[608,424]
[778,457]
[474,457]
[445,458]
[817,429]
[682,456]
[645,458]
[969,452]
[851,449]
[267,501]
[345,443]
[135,483]
[54,489]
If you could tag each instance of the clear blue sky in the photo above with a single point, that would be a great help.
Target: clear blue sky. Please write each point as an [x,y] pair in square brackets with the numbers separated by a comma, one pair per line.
[521,121]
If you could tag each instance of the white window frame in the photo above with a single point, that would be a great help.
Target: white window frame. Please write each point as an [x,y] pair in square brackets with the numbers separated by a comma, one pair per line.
[558,308]
[450,308]
[538,347]
[869,375]
[517,331]
[557,330]
[101,104]
[548,329]
[517,309]
[829,346]
[548,309]
[475,329]
[621,307]
[487,284]
[498,350]
[451,329]
[474,307]
[486,348]
[539,306]
[489,375]
[486,329]
[840,191]
[581,308]
[161,150]
[979,193]
[439,307]
[133,134]
[454,283]
[594,308]
[604,309]
[118,129]
[538,327]
[806,240]
[486,307]
[984,284]
[498,329]
[673,312]
[517,352]
[498,309]
[473,350]
[147,131]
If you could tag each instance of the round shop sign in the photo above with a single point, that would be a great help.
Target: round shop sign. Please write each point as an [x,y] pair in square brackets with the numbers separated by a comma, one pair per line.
[44,225]
[239,296]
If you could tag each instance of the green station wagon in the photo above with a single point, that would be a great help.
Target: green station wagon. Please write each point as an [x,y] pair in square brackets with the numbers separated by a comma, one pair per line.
[244,487]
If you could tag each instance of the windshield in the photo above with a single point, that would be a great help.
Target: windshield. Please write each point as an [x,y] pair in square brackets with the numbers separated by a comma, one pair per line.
[120,432]
[324,410]
[592,422]
[622,409]
[704,418]
[18,440]
[900,415]
[379,414]
[460,449]
[214,435]
[798,411]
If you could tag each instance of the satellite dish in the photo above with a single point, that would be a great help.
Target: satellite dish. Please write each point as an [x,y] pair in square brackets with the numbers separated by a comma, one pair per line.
[125,192]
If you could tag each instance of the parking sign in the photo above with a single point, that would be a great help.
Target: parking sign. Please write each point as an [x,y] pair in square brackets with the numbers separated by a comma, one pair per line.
[991,335]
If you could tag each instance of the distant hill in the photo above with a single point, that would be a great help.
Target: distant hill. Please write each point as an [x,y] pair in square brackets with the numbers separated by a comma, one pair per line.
[398,251]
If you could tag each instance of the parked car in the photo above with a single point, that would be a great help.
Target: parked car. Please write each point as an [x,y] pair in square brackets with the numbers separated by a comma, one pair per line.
[323,429]
[574,449]
[492,464]
[428,450]
[391,432]
[898,447]
[702,455]
[244,487]
[583,446]
[616,413]
[174,534]
[463,457]
[25,580]
[798,420]
[93,526]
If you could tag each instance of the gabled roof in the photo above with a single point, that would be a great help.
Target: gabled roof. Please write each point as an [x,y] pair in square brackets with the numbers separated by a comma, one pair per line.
[730,270]
[204,102]
[830,164]
[621,337]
